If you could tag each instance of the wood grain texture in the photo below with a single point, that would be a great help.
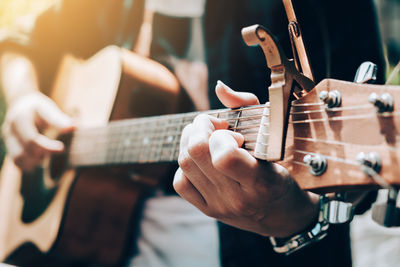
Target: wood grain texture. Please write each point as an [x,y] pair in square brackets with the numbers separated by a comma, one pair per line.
[340,135]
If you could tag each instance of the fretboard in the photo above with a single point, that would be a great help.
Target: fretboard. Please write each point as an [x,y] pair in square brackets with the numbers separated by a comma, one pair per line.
[151,139]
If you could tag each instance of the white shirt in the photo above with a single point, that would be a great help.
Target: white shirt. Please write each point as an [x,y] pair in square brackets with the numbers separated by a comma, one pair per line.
[173,233]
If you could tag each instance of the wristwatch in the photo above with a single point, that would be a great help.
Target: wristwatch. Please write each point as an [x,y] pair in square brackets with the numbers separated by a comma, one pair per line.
[300,240]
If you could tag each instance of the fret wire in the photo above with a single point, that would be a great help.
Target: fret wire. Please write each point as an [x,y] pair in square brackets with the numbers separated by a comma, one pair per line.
[222,111]
[237,120]
[256,117]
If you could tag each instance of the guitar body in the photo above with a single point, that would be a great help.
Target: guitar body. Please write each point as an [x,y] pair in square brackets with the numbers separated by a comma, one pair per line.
[87,214]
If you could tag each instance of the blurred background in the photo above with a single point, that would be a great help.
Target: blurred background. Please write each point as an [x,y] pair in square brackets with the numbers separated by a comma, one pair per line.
[372,245]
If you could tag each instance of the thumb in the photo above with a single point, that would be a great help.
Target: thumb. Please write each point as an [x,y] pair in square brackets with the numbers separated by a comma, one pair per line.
[232,99]
[51,116]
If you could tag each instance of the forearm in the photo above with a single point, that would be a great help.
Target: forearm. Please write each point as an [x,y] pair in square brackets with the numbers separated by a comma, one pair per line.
[17,76]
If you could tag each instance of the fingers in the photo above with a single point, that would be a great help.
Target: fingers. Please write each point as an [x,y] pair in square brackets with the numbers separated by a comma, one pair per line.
[26,131]
[231,160]
[185,189]
[16,151]
[195,159]
[194,153]
[21,130]
[233,99]
[51,116]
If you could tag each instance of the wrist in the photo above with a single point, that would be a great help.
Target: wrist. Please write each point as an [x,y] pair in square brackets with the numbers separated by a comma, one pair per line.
[306,217]
[315,232]
[302,213]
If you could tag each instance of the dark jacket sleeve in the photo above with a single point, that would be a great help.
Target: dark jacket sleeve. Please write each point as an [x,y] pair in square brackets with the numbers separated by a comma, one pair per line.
[339,36]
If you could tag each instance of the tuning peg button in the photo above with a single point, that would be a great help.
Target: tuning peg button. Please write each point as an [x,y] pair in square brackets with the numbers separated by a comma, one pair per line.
[371,160]
[383,103]
[366,73]
[331,99]
[316,163]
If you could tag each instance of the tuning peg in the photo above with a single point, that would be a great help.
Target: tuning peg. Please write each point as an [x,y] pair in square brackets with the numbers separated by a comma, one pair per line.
[387,214]
[383,103]
[366,73]
[337,210]
[331,99]
[316,163]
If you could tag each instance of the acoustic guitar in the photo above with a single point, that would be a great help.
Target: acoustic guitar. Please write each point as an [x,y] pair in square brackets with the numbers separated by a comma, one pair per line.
[86,213]
[352,138]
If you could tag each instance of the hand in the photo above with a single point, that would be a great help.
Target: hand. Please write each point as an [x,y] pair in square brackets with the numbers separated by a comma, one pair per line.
[24,123]
[224,181]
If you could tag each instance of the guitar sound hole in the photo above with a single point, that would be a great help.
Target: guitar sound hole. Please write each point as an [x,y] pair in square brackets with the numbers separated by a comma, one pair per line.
[59,162]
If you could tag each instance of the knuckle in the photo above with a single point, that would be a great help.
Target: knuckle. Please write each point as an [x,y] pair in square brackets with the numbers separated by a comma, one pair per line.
[239,206]
[201,117]
[186,130]
[198,147]
[219,212]
[185,162]
[225,159]
[181,185]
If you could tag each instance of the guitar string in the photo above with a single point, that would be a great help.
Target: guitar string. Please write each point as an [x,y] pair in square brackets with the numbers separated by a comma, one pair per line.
[219,112]
[372,174]
[249,141]
[252,117]
[338,159]
[185,115]
[304,121]
[332,109]
[342,118]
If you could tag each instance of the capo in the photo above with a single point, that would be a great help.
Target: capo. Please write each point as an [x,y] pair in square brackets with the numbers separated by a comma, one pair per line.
[272,134]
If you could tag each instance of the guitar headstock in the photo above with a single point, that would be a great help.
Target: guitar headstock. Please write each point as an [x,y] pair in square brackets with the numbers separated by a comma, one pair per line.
[354,133]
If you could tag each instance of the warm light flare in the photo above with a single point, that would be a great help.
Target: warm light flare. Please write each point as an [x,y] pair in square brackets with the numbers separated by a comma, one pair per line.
[15,14]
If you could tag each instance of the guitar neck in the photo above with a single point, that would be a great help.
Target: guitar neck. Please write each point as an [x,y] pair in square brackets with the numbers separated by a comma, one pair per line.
[340,136]
[151,139]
